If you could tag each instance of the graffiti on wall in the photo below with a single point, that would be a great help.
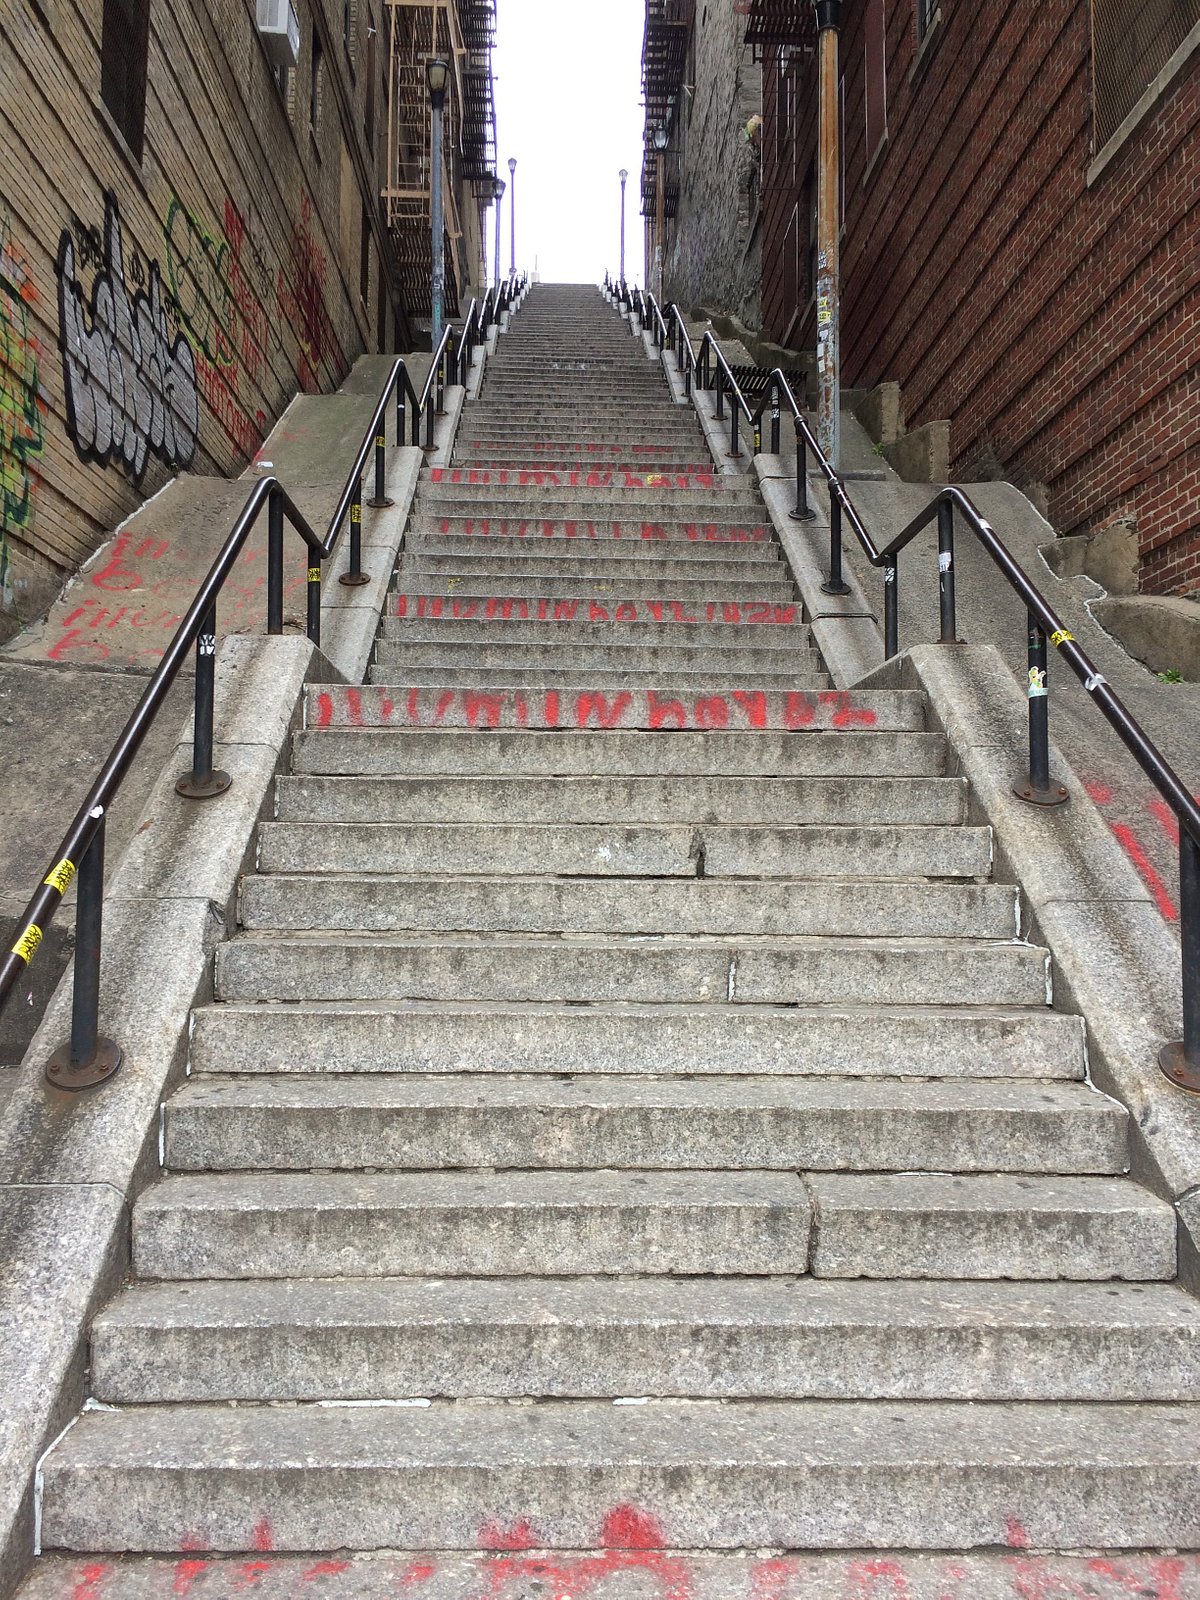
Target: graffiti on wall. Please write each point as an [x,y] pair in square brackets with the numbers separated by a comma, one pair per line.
[21,404]
[221,285]
[301,288]
[131,390]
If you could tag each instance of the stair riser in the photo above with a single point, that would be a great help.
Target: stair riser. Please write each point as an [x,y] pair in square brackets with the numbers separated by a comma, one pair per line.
[410,1138]
[635,709]
[735,1482]
[820,1043]
[580,656]
[607,851]
[592,567]
[479,631]
[613,597]
[368,1240]
[602,548]
[948,974]
[536,677]
[716,541]
[665,801]
[534,906]
[843,1360]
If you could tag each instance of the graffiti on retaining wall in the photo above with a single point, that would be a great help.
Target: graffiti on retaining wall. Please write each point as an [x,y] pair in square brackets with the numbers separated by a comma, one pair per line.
[221,285]
[21,404]
[301,289]
[131,390]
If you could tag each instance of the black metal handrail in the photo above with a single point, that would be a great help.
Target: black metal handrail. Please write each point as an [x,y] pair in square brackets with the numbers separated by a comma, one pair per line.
[1180,1060]
[88,1059]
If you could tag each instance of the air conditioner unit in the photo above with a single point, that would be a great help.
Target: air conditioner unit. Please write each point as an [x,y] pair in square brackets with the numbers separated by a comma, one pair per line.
[279,30]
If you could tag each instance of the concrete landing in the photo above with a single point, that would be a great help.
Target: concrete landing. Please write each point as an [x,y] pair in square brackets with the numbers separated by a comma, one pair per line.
[617,1572]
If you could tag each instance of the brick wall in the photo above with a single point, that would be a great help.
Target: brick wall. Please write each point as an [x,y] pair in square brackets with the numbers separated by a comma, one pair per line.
[234,243]
[713,257]
[1053,320]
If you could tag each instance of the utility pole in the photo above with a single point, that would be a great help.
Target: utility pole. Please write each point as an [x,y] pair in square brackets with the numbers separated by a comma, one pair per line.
[623,176]
[498,193]
[660,195]
[512,214]
[438,74]
[829,377]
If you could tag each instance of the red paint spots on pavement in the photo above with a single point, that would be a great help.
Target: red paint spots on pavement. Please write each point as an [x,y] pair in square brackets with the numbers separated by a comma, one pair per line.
[1099,792]
[323,715]
[325,1569]
[878,1577]
[418,1572]
[517,1535]
[627,1528]
[88,1581]
[1166,818]
[1015,1535]
[1128,841]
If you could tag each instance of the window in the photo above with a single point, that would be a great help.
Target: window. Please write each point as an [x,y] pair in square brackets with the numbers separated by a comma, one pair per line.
[875,76]
[124,46]
[1132,41]
[928,14]
[314,98]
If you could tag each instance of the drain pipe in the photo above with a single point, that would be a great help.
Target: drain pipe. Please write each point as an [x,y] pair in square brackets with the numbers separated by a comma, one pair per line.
[829,18]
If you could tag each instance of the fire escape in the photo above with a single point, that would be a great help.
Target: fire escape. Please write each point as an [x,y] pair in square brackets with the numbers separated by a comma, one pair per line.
[772,25]
[664,66]
[461,32]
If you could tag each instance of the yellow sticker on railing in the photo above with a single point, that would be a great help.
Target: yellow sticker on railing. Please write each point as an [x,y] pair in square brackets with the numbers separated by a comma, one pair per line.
[314,574]
[380,441]
[356,513]
[1062,637]
[26,946]
[60,877]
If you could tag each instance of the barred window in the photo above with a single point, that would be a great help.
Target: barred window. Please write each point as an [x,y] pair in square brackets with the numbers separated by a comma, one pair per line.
[124,47]
[1132,41]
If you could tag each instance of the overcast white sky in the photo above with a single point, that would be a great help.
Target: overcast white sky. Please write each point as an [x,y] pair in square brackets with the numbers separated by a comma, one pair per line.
[568,107]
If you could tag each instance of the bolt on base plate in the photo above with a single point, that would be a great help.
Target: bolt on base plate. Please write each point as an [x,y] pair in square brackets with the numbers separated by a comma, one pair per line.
[1055,795]
[354,580]
[1184,1074]
[209,790]
[106,1059]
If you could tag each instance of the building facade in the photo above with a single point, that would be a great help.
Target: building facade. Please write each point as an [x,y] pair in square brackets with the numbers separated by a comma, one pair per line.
[1020,210]
[194,226]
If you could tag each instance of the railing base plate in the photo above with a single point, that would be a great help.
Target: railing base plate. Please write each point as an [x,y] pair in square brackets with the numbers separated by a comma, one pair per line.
[1183,1073]
[380,505]
[190,789]
[835,588]
[1055,795]
[106,1059]
[354,580]
[802,516]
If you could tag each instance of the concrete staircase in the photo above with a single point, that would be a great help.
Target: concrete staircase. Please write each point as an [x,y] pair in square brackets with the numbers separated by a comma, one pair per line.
[628,1101]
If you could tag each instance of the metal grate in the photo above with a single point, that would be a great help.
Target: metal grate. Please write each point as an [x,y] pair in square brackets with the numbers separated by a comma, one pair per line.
[664,55]
[752,381]
[1132,41]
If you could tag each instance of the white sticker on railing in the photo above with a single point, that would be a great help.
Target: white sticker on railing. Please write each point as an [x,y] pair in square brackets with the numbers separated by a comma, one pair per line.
[1037,684]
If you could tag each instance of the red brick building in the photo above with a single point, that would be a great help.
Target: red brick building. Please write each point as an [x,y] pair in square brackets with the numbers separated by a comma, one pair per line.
[1021,247]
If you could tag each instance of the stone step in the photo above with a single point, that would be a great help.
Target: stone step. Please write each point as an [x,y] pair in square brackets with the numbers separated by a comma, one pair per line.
[675,620]
[793,1475]
[517,458]
[714,566]
[581,506]
[591,449]
[758,802]
[594,656]
[474,629]
[693,502]
[396,1123]
[839,851]
[392,903]
[615,542]
[354,1225]
[529,967]
[435,708]
[977,1042]
[763,592]
[661,681]
[709,1338]
[454,752]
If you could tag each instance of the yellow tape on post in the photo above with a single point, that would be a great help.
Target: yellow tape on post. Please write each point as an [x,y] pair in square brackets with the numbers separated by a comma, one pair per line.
[27,945]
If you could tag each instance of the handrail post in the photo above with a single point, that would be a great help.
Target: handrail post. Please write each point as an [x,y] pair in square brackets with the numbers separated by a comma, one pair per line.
[1180,1060]
[803,511]
[836,583]
[774,416]
[735,449]
[313,595]
[401,404]
[891,608]
[202,782]
[381,499]
[275,562]
[87,1059]
[1038,790]
[949,622]
[429,422]
[355,577]
[720,395]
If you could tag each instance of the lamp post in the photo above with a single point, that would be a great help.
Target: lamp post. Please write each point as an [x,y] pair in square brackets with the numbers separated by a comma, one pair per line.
[437,74]
[498,194]
[624,176]
[512,215]
[660,145]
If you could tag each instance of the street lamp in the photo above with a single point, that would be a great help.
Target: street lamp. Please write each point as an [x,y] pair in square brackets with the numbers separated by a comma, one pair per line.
[498,196]
[660,145]
[437,75]
[512,214]
[623,175]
